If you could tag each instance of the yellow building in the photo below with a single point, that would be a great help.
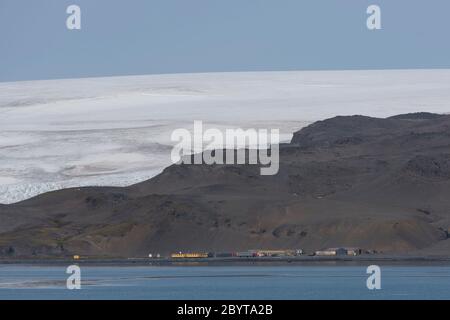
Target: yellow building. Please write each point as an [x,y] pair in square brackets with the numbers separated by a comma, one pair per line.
[189,255]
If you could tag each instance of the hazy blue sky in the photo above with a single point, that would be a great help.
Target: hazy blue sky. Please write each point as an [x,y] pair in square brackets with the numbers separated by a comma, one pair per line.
[169,36]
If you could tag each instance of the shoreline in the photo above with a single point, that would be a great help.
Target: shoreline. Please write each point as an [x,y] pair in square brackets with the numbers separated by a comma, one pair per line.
[255,261]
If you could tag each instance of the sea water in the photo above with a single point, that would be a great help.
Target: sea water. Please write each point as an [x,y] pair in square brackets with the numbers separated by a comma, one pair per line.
[224,282]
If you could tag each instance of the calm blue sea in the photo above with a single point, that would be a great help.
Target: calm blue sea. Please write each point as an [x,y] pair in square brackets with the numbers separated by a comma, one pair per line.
[228,282]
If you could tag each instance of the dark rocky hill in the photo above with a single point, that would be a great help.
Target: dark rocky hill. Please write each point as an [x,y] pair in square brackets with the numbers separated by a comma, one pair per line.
[380,184]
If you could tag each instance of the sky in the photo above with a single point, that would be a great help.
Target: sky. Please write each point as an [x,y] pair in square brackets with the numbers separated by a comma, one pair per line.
[178,36]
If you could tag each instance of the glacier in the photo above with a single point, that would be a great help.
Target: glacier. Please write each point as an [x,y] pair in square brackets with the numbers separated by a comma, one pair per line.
[115,131]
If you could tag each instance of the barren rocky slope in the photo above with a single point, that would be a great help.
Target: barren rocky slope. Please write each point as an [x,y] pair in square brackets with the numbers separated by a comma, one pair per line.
[380,184]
